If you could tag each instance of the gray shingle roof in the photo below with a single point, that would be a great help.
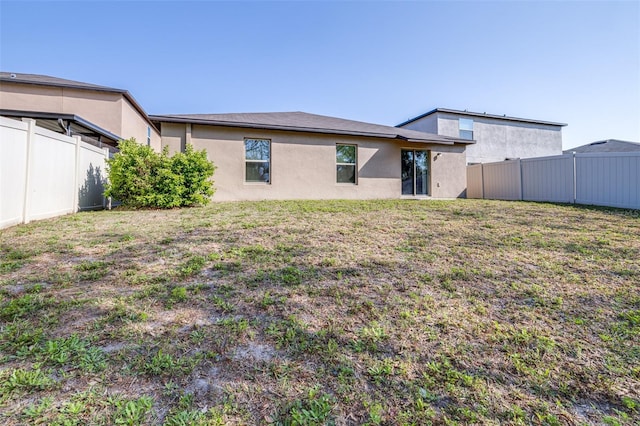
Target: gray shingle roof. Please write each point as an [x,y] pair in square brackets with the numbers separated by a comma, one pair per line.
[608,145]
[480,114]
[53,81]
[305,122]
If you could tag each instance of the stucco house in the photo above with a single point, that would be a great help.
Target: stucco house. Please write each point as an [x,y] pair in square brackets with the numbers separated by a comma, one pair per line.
[100,115]
[296,155]
[258,156]
[497,137]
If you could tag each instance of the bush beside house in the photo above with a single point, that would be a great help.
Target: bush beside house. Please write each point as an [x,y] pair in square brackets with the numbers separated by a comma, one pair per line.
[140,177]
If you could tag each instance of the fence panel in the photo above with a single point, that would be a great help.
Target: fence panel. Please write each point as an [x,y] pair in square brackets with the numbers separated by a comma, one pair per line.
[91,177]
[13,168]
[474,181]
[608,179]
[51,175]
[45,174]
[501,181]
[601,179]
[548,179]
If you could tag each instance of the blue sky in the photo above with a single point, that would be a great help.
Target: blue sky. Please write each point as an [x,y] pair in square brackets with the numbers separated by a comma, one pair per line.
[384,62]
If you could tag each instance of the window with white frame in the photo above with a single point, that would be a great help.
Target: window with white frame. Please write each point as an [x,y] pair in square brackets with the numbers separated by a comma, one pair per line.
[466,128]
[257,155]
[148,135]
[346,163]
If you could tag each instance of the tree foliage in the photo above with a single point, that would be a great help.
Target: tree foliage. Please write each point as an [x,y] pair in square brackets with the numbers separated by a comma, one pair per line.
[141,177]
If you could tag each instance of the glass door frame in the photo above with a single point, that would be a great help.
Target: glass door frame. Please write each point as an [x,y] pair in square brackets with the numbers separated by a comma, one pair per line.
[414,170]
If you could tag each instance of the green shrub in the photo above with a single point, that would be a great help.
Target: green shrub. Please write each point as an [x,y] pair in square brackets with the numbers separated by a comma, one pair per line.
[195,170]
[131,173]
[141,177]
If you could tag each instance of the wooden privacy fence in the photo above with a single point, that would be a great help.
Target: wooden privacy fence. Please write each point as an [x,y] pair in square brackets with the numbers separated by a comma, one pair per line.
[45,174]
[602,179]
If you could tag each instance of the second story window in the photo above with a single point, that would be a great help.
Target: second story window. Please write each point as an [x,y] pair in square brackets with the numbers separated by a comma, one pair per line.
[148,135]
[466,128]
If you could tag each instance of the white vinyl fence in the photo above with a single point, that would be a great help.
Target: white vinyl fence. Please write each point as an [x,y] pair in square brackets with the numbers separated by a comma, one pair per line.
[603,179]
[45,174]
[502,183]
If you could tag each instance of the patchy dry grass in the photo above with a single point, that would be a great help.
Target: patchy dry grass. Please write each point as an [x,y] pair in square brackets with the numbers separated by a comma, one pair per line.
[310,313]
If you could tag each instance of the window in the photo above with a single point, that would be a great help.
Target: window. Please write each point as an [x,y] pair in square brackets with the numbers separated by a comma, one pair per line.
[346,156]
[148,135]
[257,155]
[466,128]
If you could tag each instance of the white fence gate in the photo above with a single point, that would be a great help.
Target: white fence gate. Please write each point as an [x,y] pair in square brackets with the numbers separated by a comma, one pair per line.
[45,174]
[603,179]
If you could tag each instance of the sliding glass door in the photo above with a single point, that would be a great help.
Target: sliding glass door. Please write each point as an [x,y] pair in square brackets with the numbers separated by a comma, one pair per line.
[415,172]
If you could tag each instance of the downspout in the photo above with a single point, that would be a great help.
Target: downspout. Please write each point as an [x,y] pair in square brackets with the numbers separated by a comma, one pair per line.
[66,128]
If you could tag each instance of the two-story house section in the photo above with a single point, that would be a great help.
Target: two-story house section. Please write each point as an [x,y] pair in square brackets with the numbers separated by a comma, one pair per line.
[498,137]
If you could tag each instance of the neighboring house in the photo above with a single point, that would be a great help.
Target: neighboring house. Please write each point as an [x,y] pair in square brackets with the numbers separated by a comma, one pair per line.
[295,155]
[101,115]
[498,137]
[609,145]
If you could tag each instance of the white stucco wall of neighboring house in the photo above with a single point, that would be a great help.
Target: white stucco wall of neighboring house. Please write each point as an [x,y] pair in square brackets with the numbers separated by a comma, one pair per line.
[496,139]
[428,124]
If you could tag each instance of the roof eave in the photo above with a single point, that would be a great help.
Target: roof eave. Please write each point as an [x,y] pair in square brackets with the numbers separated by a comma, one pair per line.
[63,85]
[411,120]
[442,142]
[161,118]
[485,115]
[262,126]
[53,115]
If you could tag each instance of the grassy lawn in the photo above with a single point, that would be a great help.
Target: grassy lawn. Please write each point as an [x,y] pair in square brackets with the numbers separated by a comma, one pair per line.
[310,313]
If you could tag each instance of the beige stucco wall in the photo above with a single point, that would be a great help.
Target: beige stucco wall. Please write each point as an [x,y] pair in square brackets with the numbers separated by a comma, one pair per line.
[101,108]
[173,137]
[27,97]
[303,164]
[448,171]
[135,125]
[108,110]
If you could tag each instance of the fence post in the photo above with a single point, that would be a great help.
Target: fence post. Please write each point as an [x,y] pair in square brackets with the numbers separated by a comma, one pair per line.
[575,182]
[75,206]
[482,178]
[520,197]
[105,203]
[31,136]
